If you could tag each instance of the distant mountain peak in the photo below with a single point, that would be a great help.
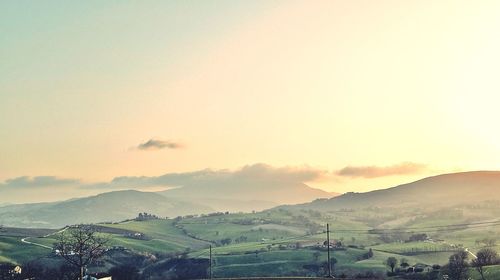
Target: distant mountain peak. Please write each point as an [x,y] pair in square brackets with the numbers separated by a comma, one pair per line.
[443,189]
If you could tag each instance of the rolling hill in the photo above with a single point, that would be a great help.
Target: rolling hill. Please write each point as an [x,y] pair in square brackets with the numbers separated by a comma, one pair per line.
[111,206]
[442,190]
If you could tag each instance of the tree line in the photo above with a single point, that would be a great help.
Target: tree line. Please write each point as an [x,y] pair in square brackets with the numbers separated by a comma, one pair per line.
[457,268]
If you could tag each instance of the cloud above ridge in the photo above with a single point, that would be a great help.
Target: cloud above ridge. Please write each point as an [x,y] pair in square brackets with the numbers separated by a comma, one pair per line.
[38,181]
[257,173]
[404,168]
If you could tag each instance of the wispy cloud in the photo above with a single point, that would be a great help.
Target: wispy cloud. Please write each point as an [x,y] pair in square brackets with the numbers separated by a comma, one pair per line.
[381,171]
[156,144]
[38,181]
[254,179]
[258,182]
[27,189]
[256,173]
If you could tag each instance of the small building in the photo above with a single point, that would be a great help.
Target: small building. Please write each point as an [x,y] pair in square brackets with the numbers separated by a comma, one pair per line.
[8,271]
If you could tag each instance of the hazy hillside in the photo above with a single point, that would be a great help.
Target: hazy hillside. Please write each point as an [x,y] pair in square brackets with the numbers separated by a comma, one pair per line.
[447,189]
[111,206]
[248,196]
[229,204]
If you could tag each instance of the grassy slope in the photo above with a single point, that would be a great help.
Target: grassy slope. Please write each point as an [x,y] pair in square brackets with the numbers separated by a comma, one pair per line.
[14,251]
[162,236]
[491,272]
[270,229]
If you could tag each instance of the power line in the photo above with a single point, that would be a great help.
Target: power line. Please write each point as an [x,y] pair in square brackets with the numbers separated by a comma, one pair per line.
[428,227]
[328,246]
[492,223]
[437,228]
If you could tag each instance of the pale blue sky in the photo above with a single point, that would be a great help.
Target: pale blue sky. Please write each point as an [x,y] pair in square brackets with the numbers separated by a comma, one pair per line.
[404,89]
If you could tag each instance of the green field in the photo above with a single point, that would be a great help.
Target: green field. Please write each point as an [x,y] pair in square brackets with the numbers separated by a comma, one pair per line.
[491,272]
[286,242]
[160,236]
[14,251]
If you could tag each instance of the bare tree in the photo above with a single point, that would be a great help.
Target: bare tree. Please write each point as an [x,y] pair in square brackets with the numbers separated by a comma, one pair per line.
[457,266]
[80,246]
[391,262]
[484,257]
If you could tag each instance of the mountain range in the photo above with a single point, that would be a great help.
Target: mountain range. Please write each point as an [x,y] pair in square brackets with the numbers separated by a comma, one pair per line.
[231,195]
[445,190]
[107,207]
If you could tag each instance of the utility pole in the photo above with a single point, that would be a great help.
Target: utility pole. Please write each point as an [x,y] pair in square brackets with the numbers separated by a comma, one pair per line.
[210,262]
[328,246]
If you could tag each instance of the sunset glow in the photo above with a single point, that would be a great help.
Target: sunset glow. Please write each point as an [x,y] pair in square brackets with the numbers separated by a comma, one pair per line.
[225,84]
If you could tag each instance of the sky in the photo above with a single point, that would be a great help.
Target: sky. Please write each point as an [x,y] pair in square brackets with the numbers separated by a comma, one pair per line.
[370,94]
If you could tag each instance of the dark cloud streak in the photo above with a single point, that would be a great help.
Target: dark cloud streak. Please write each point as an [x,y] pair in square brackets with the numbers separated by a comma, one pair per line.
[155,144]
[38,181]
